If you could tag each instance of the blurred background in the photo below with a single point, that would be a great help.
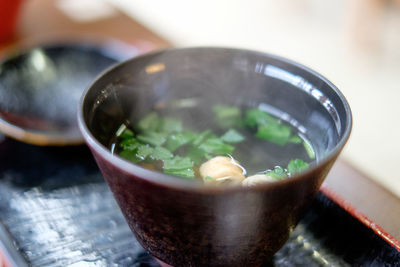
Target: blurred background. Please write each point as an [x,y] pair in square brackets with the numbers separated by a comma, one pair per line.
[355,44]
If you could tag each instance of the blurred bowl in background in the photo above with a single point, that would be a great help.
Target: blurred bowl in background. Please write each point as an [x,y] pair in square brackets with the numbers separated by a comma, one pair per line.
[184,223]
[40,88]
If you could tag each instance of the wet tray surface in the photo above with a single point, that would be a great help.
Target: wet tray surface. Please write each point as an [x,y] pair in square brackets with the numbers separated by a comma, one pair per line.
[56,210]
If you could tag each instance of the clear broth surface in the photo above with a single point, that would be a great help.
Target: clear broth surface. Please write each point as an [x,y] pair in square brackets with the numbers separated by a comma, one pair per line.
[255,155]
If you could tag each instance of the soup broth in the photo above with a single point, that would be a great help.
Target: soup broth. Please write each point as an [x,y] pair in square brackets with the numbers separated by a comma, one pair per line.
[224,144]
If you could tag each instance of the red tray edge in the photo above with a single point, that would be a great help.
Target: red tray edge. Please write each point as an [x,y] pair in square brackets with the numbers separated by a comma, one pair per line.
[344,204]
[3,260]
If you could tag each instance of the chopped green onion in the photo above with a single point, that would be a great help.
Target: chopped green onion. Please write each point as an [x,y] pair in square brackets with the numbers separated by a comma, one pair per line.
[232,136]
[120,130]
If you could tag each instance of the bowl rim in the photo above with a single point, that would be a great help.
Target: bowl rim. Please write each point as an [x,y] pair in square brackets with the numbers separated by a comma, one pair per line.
[178,183]
[104,47]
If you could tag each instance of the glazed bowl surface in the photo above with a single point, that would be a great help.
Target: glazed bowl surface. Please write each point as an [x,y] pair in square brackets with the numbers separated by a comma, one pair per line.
[182,222]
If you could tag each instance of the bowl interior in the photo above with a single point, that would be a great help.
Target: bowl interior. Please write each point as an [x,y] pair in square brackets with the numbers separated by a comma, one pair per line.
[210,76]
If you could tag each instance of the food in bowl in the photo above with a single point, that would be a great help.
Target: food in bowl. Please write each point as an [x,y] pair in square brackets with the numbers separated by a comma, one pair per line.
[218,152]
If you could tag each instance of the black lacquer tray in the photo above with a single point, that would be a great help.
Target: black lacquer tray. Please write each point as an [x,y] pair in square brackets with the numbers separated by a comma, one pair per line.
[56,210]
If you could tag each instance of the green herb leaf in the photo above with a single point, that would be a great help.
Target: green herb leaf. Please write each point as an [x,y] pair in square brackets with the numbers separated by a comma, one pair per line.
[275,133]
[177,140]
[179,166]
[232,136]
[152,138]
[196,154]
[161,153]
[296,166]
[129,144]
[130,155]
[185,173]
[149,123]
[201,137]
[178,163]
[277,173]
[144,151]
[227,116]
[208,178]
[127,134]
[309,149]
[215,145]
[255,117]
[170,125]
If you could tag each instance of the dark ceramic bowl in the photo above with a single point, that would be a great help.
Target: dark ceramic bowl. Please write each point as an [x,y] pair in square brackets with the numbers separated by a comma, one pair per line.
[181,222]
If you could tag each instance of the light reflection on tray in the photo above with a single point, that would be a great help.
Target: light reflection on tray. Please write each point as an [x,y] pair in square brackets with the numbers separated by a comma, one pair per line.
[70,226]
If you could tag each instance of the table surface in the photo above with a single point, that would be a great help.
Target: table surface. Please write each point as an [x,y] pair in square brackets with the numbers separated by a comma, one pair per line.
[34,27]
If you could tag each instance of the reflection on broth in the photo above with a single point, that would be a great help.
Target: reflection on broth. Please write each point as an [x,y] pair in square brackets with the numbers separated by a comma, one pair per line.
[231,145]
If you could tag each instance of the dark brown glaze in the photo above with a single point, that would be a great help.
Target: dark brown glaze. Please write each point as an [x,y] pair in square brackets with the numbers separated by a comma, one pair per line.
[211,228]
[183,223]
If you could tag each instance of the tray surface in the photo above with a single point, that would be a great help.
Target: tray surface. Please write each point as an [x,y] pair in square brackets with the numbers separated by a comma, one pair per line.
[57,211]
